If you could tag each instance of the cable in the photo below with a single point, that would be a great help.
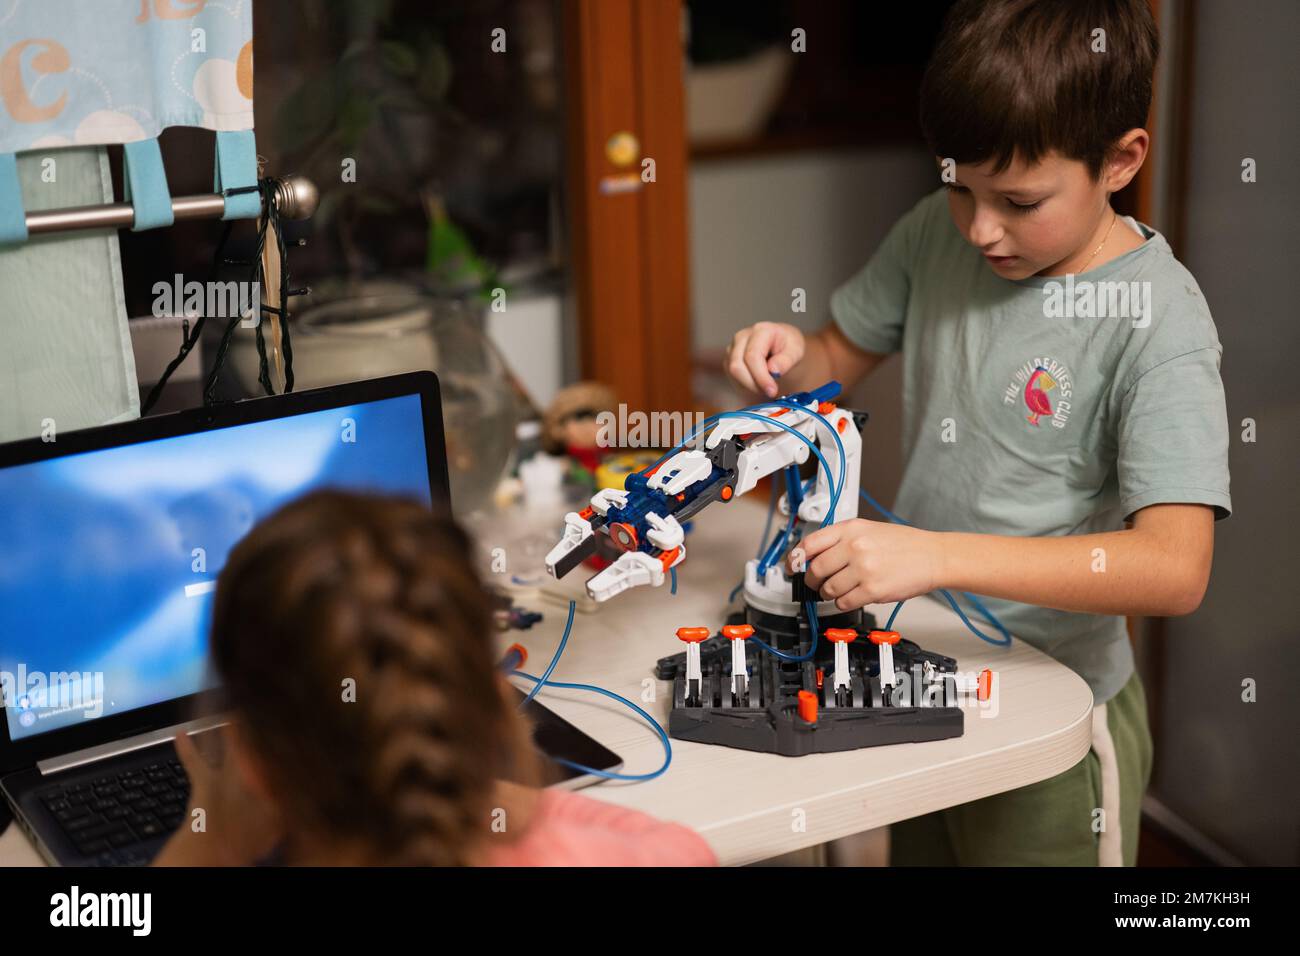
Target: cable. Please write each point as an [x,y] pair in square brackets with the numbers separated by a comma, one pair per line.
[568,626]
[269,217]
[889,625]
[606,774]
[979,605]
[881,508]
[672,574]
[839,486]
[793,490]
[810,609]
[746,413]
[984,612]
[773,549]
[767,525]
[545,681]
[752,412]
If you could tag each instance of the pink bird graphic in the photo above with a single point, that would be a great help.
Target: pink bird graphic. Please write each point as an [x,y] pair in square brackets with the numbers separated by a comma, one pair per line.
[1035,397]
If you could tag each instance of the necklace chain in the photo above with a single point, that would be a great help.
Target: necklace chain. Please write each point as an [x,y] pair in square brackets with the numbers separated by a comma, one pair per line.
[1114,219]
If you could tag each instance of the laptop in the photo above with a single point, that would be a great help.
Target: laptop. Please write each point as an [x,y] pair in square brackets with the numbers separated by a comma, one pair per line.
[111,540]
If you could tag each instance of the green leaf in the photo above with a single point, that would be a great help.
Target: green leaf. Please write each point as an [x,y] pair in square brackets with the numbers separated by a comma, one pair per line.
[398,58]
[435,73]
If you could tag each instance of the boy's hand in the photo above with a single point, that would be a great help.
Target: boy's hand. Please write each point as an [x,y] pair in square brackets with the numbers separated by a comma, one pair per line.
[860,562]
[761,353]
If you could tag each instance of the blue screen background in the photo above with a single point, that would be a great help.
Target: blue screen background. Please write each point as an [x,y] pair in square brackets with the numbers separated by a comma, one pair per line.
[96,549]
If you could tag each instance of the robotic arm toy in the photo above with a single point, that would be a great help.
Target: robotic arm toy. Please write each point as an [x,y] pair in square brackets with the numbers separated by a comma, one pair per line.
[644,520]
[816,688]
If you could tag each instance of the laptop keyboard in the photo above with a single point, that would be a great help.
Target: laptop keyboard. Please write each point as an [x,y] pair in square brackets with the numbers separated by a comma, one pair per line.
[117,811]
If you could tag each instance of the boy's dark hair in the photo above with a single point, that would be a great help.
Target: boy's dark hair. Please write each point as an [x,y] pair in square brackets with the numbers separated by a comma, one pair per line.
[1020,78]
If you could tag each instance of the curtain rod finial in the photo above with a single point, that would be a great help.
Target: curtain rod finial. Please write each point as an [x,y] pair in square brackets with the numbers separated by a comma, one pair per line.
[296,197]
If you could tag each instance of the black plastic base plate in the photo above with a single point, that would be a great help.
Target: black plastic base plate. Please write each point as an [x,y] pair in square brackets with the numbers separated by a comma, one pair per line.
[767,719]
[779,729]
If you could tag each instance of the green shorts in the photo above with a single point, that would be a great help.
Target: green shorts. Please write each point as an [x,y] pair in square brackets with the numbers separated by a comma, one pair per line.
[1087,816]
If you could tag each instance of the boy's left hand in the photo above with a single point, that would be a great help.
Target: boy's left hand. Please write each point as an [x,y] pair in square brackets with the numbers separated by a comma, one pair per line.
[860,562]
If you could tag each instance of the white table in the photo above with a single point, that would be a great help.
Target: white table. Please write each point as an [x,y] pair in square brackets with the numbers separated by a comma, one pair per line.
[752,806]
[746,804]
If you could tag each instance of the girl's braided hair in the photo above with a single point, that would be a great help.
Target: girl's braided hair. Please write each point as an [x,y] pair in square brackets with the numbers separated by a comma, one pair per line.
[354,638]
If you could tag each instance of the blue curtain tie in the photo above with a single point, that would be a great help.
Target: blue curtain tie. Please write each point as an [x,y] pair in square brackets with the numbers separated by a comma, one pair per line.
[13,218]
[236,172]
[145,185]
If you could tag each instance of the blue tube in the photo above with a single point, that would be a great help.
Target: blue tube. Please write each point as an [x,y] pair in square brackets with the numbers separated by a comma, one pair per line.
[767,525]
[838,486]
[830,514]
[568,627]
[889,625]
[545,681]
[979,605]
[592,688]
[810,609]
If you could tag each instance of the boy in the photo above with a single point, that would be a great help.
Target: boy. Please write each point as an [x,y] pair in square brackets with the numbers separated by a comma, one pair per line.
[1042,408]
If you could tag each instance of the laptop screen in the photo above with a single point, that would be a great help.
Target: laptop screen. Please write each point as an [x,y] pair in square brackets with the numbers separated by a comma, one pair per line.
[109,558]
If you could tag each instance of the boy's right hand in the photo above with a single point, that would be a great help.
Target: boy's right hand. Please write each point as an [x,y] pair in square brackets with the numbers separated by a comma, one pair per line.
[758,355]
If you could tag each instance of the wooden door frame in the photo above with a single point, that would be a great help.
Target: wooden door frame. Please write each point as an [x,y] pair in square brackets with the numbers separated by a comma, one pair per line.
[624,72]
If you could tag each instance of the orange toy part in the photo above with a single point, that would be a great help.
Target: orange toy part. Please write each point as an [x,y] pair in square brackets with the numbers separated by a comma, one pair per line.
[884,637]
[668,557]
[623,535]
[737,632]
[985,688]
[808,706]
[837,634]
[693,635]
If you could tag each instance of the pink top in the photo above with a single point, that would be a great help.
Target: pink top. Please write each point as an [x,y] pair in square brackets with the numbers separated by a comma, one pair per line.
[573,830]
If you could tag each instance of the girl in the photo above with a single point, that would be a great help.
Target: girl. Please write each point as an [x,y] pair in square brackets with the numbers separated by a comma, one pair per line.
[370,724]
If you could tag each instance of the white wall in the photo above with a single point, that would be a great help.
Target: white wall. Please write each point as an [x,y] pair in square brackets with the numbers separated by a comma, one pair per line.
[765,225]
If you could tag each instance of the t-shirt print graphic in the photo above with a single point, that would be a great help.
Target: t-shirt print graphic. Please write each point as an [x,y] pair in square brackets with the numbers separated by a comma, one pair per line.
[1043,387]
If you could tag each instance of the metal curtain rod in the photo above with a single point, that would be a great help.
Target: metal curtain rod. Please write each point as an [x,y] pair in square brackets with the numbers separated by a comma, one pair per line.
[296,197]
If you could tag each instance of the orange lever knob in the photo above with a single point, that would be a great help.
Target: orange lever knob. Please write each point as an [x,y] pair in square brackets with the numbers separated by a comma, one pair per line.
[808,706]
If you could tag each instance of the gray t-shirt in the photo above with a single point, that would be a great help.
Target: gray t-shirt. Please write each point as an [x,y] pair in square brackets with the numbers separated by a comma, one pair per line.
[1044,406]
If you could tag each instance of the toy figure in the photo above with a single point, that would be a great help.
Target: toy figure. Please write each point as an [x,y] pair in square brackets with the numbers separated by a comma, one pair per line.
[569,428]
